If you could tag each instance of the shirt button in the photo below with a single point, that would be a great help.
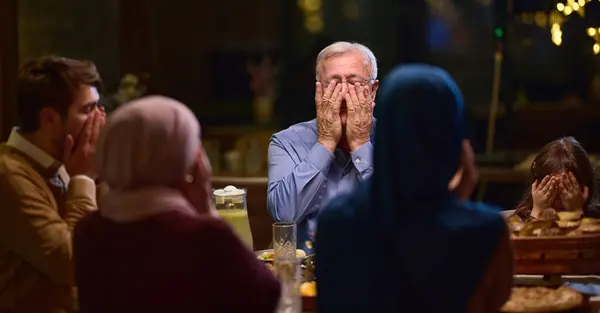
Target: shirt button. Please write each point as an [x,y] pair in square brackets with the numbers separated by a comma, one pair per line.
[357,161]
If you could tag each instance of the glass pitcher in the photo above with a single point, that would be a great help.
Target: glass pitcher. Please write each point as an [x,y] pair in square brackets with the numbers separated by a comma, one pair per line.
[230,203]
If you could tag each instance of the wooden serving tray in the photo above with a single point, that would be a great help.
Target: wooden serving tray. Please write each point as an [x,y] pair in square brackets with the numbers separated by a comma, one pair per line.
[574,255]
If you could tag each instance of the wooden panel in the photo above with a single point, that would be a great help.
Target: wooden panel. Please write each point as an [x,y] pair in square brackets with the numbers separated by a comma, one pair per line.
[8,65]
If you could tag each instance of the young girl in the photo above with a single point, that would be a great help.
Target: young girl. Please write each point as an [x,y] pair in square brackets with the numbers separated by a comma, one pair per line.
[564,180]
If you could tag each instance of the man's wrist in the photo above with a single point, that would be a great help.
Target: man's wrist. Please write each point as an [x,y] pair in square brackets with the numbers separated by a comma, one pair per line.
[356,145]
[84,177]
[328,144]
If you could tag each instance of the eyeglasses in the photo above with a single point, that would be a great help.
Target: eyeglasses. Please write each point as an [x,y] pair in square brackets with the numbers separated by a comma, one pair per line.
[352,81]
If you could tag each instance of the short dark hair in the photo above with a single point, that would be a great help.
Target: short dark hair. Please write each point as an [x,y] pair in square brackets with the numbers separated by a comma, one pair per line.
[51,81]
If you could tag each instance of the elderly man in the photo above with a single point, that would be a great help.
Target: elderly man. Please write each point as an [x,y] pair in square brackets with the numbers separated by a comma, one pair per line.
[311,162]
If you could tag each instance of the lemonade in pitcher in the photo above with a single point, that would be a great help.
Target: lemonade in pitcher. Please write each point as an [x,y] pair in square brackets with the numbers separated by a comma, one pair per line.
[231,206]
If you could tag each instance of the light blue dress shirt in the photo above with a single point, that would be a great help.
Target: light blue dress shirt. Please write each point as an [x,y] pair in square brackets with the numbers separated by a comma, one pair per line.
[304,176]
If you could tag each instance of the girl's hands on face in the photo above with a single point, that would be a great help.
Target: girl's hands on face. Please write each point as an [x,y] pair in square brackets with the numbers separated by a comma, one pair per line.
[572,196]
[543,193]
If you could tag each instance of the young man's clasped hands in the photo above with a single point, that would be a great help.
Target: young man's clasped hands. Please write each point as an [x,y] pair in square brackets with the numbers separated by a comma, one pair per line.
[559,191]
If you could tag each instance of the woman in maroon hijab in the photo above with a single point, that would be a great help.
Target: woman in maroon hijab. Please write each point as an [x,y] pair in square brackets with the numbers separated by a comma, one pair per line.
[155,244]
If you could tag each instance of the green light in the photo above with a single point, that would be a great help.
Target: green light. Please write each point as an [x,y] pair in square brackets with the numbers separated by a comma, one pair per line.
[498,32]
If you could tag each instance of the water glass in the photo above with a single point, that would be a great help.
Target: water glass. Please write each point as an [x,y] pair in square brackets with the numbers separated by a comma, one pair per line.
[288,273]
[284,241]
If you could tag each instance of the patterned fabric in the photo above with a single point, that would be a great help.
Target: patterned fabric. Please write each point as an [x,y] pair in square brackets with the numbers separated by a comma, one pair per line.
[56,179]
[57,182]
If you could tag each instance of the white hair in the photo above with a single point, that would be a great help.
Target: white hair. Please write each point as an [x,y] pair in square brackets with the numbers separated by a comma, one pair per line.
[342,47]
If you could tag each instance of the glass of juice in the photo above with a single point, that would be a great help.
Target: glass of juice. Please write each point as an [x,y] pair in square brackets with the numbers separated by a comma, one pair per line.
[230,203]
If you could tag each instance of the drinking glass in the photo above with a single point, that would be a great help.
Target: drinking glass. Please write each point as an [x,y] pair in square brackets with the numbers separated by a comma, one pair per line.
[287,267]
[284,241]
[288,273]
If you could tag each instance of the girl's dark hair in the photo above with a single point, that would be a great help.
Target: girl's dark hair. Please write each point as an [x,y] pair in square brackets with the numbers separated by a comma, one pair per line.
[562,155]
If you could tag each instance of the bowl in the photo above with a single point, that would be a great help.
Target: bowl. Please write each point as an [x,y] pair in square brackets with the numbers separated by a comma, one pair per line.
[307,263]
[300,254]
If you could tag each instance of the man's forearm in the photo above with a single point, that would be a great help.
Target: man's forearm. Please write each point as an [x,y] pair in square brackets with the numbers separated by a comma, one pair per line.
[81,199]
[294,195]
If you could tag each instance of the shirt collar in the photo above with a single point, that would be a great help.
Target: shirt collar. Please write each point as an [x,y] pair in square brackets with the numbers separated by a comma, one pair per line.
[16,141]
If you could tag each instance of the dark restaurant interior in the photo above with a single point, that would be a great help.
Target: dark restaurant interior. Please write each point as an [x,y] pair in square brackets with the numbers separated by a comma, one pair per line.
[529,70]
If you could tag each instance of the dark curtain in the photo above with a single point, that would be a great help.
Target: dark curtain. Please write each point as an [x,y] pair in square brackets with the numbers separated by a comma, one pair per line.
[137,40]
[9,55]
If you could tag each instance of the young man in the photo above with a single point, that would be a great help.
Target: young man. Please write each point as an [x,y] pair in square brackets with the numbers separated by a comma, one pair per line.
[47,183]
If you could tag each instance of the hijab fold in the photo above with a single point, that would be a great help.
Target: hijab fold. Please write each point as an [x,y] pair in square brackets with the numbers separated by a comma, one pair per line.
[144,152]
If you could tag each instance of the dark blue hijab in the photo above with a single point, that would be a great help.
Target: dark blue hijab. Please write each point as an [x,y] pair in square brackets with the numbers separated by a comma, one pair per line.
[425,249]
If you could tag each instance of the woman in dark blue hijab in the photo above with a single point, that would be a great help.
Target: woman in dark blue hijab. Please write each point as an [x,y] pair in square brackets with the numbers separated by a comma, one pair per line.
[404,241]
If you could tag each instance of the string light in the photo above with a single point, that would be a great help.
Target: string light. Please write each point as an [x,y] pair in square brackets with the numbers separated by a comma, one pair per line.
[556,33]
[595,34]
[591,32]
[556,19]
[313,15]
[572,6]
[567,9]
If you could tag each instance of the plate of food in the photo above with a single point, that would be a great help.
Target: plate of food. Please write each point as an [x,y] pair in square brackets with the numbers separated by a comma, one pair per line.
[566,244]
[269,255]
[307,263]
[567,224]
[569,215]
[543,299]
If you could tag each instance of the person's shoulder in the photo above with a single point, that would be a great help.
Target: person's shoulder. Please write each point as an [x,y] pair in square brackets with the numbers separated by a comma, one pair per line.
[206,226]
[17,174]
[484,213]
[298,131]
[483,208]
[11,162]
